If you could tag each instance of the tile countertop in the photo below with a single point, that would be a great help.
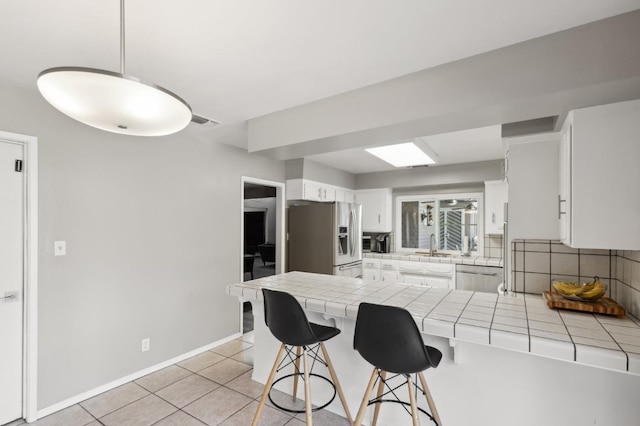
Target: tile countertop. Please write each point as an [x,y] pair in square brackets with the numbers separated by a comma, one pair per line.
[462,260]
[519,322]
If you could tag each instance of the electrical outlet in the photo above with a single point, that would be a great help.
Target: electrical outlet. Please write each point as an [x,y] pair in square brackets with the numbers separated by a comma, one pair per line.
[146,344]
[59,248]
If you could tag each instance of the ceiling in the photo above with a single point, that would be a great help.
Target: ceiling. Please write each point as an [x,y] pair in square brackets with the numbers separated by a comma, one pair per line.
[237,60]
[463,146]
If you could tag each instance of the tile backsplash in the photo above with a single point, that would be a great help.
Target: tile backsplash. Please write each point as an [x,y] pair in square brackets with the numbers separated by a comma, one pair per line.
[493,246]
[535,263]
[627,289]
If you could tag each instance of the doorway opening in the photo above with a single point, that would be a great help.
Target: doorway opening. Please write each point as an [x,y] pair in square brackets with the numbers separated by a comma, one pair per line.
[262,235]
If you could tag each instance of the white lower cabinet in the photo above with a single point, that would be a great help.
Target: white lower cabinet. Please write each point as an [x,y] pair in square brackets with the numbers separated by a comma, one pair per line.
[389,271]
[409,272]
[427,274]
[370,269]
[370,274]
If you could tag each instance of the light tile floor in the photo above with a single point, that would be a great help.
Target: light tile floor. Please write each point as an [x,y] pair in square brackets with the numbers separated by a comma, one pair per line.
[212,388]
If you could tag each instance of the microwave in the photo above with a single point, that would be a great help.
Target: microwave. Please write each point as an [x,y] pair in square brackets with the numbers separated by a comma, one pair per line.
[366,243]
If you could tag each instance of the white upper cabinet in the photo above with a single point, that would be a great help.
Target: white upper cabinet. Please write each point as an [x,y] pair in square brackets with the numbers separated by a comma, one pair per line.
[533,186]
[345,195]
[305,189]
[376,209]
[599,174]
[495,195]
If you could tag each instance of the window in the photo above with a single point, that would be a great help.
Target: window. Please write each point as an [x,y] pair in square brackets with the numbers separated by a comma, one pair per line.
[449,222]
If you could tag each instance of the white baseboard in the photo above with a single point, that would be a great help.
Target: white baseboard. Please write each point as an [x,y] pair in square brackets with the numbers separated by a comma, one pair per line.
[119,382]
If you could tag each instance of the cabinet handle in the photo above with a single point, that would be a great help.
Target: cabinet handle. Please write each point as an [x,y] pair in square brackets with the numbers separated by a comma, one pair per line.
[493,218]
[378,219]
[560,212]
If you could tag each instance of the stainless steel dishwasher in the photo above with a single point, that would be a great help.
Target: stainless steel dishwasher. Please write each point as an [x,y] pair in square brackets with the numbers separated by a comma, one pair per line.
[478,278]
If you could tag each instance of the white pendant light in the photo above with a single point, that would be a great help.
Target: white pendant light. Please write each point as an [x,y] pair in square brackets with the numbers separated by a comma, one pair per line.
[113,101]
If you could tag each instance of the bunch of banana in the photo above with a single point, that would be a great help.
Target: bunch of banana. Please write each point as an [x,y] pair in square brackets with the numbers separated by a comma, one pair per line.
[567,288]
[589,292]
[592,291]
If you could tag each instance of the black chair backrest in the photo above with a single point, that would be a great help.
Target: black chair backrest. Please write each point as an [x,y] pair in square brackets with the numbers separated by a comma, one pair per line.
[286,319]
[388,338]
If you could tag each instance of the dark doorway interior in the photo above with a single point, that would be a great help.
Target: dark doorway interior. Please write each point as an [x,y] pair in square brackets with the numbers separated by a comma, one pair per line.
[259,251]
[254,231]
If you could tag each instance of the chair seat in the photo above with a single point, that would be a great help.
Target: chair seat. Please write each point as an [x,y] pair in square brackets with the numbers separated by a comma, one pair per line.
[324,332]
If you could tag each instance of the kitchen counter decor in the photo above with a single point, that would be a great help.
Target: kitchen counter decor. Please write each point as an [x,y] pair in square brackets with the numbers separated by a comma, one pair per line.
[603,305]
[587,292]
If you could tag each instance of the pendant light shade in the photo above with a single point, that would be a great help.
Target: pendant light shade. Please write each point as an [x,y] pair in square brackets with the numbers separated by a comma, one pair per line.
[113,101]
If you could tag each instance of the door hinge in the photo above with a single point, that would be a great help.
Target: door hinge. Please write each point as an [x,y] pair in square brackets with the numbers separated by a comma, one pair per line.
[18,167]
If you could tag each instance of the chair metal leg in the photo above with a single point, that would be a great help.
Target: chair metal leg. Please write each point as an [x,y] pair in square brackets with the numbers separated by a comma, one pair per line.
[296,371]
[430,402]
[376,411]
[412,400]
[267,386]
[307,388]
[365,399]
[336,383]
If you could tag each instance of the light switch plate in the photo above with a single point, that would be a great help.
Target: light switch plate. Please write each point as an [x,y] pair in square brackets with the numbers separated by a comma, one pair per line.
[59,248]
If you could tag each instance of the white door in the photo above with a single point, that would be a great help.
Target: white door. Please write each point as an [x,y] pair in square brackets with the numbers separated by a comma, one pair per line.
[11,281]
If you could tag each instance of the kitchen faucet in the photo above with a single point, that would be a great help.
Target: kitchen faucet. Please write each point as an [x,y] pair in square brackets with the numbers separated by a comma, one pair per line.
[432,243]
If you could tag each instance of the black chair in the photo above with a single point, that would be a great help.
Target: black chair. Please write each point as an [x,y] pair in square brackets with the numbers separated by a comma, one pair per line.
[388,338]
[288,323]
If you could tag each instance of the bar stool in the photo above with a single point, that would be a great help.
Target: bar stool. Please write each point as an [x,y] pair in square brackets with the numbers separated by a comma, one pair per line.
[288,323]
[388,338]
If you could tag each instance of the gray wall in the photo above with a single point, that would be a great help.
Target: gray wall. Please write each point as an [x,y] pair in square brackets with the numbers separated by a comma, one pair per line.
[303,168]
[150,250]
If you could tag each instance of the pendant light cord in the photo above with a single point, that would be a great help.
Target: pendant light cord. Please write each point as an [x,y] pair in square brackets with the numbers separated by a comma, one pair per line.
[122,37]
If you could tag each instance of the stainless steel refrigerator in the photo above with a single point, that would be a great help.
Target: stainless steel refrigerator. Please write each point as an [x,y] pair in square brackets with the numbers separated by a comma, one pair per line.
[325,238]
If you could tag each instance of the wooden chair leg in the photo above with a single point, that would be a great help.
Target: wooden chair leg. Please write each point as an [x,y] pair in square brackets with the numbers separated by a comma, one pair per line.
[363,404]
[334,377]
[430,402]
[412,400]
[296,371]
[376,410]
[307,388]
[267,386]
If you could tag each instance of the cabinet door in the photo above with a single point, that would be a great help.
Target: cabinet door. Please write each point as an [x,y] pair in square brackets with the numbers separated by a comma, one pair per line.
[345,195]
[604,176]
[376,209]
[370,274]
[389,276]
[414,279]
[495,195]
[533,186]
[564,200]
[312,191]
[328,193]
[440,282]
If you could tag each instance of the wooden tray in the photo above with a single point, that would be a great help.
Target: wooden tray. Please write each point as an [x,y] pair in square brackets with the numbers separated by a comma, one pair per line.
[604,305]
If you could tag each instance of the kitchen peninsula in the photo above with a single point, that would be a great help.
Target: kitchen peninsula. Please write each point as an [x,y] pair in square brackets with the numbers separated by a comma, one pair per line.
[507,359]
